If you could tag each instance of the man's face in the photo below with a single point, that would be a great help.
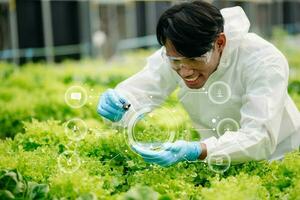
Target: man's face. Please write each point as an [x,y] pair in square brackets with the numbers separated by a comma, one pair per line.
[195,72]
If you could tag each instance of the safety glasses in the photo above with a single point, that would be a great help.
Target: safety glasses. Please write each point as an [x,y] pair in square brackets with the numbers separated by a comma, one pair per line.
[178,62]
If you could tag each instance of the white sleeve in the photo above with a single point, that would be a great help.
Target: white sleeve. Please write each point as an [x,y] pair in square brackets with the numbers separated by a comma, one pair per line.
[265,84]
[149,87]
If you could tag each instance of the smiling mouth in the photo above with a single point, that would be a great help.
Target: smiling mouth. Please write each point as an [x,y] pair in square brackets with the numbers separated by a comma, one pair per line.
[191,79]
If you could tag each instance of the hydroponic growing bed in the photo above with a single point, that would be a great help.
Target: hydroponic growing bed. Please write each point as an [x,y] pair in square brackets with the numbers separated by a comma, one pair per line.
[39,160]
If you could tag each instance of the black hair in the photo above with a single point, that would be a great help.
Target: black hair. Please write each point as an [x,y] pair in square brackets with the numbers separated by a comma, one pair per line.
[191,27]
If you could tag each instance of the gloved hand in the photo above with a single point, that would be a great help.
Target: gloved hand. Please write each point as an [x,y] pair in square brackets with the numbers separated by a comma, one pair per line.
[111,106]
[172,153]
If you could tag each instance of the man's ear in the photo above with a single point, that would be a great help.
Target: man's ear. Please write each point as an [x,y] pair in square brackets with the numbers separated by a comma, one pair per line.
[221,41]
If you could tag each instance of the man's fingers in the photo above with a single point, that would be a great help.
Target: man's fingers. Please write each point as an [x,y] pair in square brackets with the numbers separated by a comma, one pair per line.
[113,99]
[167,146]
[109,112]
[112,110]
[145,152]
[120,97]
[162,158]
[174,147]
[104,113]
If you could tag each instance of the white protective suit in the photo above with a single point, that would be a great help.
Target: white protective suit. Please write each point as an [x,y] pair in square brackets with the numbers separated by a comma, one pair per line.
[257,75]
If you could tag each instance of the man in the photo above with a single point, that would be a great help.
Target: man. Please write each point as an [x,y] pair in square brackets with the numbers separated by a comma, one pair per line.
[205,49]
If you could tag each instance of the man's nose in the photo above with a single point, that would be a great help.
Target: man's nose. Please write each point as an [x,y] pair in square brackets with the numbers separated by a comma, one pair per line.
[185,71]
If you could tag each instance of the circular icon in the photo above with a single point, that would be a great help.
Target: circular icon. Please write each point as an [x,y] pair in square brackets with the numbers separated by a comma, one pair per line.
[147,130]
[227,124]
[76,96]
[219,162]
[219,92]
[68,162]
[76,129]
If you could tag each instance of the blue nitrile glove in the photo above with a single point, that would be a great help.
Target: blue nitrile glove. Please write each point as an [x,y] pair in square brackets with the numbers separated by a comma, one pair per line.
[111,105]
[172,153]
